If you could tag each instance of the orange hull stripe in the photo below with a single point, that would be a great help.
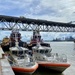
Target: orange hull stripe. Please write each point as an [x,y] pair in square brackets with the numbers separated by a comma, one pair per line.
[19,69]
[54,64]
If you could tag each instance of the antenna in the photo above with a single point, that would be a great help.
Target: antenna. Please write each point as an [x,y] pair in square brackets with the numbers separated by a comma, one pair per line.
[15,31]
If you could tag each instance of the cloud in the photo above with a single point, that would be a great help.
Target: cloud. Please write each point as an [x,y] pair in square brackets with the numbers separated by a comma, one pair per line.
[52,10]
[15,4]
[15,8]
[4,34]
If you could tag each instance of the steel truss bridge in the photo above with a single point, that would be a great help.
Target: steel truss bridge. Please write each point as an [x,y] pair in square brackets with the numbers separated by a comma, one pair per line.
[26,24]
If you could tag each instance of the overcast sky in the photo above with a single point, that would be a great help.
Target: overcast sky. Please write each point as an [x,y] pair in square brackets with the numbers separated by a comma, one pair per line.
[52,10]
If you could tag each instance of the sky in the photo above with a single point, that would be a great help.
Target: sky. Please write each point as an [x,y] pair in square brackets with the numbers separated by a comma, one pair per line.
[51,10]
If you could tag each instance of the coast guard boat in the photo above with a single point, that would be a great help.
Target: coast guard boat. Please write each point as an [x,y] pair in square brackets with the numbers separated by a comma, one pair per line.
[54,61]
[45,58]
[21,61]
[19,57]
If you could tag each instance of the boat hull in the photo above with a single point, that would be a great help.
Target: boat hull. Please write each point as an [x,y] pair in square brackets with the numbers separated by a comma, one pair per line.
[28,70]
[59,67]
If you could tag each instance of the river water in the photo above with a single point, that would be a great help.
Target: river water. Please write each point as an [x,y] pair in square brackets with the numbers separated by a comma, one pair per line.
[63,48]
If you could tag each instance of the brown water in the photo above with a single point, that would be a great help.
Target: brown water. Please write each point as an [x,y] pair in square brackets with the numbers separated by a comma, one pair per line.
[60,47]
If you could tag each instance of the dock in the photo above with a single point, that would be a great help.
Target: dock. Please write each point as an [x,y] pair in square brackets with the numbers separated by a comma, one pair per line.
[5,67]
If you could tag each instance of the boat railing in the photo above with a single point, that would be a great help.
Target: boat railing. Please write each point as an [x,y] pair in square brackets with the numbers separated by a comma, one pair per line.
[63,58]
[57,57]
[12,61]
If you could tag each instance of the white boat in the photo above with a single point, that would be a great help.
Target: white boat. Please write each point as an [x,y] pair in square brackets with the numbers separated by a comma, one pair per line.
[43,55]
[18,55]
[21,61]
[45,58]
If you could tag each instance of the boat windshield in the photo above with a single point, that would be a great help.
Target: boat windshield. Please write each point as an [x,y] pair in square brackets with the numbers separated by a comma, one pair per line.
[30,53]
[14,52]
[43,51]
[19,52]
[45,44]
[46,51]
